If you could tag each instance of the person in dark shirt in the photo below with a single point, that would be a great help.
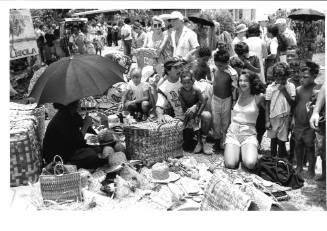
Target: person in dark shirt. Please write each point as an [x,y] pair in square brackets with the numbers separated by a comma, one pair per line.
[250,60]
[109,34]
[192,97]
[201,68]
[294,78]
[225,78]
[64,136]
[304,134]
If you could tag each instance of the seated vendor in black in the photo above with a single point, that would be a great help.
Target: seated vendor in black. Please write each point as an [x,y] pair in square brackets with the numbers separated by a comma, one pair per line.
[65,137]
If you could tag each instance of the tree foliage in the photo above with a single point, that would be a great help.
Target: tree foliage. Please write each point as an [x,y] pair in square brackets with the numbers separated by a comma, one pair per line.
[48,16]
[224,18]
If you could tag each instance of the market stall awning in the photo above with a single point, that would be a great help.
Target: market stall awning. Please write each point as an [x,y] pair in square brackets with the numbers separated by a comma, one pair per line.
[94,12]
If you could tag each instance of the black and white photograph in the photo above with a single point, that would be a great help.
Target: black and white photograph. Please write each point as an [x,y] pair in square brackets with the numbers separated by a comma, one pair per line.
[157,107]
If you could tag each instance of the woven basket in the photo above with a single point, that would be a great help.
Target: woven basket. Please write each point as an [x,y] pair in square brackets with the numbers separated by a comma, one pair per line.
[61,187]
[19,111]
[152,142]
[25,155]
[221,194]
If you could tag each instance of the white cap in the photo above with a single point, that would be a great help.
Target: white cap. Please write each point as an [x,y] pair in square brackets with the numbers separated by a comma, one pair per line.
[280,21]
[176,15]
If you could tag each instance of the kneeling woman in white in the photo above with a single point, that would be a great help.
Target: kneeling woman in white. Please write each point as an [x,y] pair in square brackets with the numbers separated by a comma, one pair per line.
[241,140]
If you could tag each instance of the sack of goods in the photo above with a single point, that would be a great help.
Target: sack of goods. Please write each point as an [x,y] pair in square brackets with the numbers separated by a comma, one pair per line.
[154,142]
[25,154]
[60,183]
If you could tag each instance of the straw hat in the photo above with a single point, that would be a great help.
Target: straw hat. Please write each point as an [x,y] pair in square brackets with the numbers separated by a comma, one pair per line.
[160,174]
[241,28]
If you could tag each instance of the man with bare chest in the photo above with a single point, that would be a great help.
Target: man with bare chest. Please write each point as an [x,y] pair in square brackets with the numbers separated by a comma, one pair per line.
[222,96]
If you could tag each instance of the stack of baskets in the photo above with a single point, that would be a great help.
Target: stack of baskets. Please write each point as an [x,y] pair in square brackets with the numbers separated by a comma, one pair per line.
[153,142]
[26,135]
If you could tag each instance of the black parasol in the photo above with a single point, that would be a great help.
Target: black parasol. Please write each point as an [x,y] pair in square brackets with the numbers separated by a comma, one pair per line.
[202,19]
[307,14]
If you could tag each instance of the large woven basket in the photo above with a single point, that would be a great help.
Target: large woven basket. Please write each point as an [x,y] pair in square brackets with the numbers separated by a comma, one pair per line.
[61,187]
[25,155]
[153,142]
[19,111]
[221,194]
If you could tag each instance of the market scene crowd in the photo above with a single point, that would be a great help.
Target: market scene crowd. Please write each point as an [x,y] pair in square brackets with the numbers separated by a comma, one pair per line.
[227,91]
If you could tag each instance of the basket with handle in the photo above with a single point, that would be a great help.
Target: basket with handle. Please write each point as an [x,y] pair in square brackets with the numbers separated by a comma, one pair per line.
[153,142]
[62,186]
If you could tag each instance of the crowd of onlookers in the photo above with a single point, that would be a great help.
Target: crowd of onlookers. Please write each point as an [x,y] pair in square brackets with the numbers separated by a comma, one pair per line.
[262,80]
[232,90]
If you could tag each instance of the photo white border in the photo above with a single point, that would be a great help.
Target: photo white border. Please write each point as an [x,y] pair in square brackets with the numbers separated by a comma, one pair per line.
[130,220]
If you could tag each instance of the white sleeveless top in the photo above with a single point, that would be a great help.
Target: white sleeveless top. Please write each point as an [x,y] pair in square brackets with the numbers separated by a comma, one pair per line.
[247,114]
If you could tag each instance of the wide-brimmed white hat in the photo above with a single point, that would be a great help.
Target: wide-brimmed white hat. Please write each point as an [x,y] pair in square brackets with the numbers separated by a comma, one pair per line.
[280,21]
[241,28]
[176,15]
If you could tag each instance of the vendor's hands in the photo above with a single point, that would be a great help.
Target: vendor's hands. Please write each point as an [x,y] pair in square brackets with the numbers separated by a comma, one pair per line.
[268,125]
[314,120]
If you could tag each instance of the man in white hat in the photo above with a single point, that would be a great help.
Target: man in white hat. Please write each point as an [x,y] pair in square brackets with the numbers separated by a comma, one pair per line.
[184,40]
[289,34]
[240,32]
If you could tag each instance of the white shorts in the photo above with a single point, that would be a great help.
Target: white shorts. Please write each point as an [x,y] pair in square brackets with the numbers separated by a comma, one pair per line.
[240,135]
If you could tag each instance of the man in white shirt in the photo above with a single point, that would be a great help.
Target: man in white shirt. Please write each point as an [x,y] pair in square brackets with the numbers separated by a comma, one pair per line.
[240,32]
[184,40]
[168,94]
[126,36]
[168,91]
[290,36]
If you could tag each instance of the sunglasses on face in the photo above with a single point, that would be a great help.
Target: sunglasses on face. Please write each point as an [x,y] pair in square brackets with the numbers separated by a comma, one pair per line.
[156,25]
